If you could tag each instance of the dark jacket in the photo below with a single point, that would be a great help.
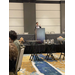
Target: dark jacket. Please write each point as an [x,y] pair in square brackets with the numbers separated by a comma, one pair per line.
[12,65]
[36,27]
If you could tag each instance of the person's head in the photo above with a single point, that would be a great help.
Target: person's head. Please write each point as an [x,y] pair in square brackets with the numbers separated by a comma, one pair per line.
[21,40]
[13,52]
[12,35]
[36,23]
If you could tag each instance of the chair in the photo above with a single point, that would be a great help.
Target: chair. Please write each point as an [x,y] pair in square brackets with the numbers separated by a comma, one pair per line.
[52,32]
[19,61]
[47,32]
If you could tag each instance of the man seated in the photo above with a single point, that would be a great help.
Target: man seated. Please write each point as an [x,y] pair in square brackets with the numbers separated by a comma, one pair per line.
[13,38]
[21,40]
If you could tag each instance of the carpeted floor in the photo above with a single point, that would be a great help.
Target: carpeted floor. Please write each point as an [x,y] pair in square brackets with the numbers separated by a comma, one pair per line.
[59,64]
[43,66]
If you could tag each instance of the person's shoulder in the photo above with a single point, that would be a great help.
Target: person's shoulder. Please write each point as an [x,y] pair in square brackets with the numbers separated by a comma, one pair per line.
[17,41]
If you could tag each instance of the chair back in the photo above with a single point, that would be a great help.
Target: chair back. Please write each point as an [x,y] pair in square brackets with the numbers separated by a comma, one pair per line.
[52,32]
[19,60]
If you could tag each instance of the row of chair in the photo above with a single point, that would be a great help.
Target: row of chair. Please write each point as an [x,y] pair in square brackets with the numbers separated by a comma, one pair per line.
[52,32]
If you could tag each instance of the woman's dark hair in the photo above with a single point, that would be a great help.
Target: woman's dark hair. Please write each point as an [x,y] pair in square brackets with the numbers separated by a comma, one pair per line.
[13,35]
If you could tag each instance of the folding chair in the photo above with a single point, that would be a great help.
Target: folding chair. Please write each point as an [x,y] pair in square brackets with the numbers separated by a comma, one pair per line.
[19,61]
[52,32]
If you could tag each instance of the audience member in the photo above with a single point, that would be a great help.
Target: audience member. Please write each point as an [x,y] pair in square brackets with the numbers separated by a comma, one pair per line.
[13,38]
[21,40]
[13,53]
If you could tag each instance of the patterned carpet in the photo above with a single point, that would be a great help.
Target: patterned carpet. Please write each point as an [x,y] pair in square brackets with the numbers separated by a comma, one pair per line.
[43,66]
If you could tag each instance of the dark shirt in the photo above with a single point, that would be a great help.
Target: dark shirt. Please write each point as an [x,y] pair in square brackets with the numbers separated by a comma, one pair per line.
[38,26]
[12,65]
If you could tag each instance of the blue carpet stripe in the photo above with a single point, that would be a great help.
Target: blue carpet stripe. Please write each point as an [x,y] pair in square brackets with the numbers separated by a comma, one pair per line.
[45,68]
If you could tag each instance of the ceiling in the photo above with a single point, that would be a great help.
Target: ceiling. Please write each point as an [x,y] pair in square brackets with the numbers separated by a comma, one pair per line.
[38,1]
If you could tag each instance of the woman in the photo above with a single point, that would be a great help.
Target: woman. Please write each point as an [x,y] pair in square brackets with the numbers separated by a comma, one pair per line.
[13,53]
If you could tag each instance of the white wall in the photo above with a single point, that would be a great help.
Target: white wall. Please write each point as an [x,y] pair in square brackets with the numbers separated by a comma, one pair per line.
[48,16]
[16,19]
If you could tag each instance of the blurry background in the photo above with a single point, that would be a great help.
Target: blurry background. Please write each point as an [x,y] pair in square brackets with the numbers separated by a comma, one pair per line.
[23,15]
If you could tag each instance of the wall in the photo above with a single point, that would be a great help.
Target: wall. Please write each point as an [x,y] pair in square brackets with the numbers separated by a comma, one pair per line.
[62,17]
[48,16]
[29,17]
[16,18]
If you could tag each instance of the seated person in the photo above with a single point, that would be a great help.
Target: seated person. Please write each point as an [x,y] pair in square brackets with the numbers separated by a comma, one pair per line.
[21,40]
[13,53]
[13,38]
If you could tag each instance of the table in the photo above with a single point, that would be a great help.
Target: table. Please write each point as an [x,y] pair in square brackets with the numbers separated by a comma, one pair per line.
[44,48]
[54,48]
[50,49]
[62,47]
[33,43]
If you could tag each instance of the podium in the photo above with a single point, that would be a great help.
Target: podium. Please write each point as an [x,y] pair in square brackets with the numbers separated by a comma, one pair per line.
[40,34]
